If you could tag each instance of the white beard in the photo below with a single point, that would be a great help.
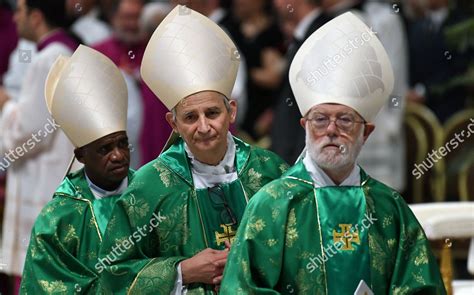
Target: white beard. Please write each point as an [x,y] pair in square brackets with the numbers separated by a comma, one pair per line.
[333,159]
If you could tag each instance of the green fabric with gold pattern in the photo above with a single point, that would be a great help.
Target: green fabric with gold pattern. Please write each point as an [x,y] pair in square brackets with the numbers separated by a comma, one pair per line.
[189,220]
[298,239]
[65,240]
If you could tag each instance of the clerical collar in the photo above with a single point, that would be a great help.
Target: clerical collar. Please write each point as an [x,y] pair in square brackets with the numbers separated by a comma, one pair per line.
[303,25]
[205,175]
[438,16]
[321,179]
[102,193]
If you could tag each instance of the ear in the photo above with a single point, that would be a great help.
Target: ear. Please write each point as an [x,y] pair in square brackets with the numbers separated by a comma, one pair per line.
[233,110]
[303,123]
[79,153]
[368,129]
[171,122]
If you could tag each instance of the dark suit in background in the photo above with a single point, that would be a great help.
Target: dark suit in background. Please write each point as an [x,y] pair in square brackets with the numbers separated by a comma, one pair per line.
[287,135]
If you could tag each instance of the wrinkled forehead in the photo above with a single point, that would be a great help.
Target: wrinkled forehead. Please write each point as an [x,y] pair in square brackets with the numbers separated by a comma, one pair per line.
[201,100]
[111,138]
[332,109]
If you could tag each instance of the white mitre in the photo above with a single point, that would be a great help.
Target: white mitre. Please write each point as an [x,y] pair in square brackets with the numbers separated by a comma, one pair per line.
[188,53]
[86,95]
[343,62]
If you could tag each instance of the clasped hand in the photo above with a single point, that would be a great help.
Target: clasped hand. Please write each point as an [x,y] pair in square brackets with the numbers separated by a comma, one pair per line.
[205,267]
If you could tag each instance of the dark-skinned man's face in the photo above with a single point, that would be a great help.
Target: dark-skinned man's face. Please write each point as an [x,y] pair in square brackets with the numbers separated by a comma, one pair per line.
[106,160]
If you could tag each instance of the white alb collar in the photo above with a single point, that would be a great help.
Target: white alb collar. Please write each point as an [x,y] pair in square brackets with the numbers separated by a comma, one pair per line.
[205,175]
[438,16]
[99,192]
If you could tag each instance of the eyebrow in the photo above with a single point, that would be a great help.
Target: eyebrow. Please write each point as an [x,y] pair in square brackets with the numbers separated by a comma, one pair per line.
[342,113]
[188,113]
[213,108]
[110,141]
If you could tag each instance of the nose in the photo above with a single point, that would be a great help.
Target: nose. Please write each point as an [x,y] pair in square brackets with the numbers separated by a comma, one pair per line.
[117,154]
[331,130]
[203,125]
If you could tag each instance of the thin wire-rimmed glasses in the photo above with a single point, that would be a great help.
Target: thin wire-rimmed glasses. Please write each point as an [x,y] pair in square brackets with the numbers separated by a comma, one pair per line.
[345,122]
[217,197]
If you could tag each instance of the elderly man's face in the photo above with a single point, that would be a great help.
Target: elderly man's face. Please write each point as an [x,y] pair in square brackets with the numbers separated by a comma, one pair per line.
[335,135]
[203,121]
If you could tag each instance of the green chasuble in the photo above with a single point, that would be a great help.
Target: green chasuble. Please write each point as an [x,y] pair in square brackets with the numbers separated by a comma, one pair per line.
[65,240]
[164,219]
[298,239]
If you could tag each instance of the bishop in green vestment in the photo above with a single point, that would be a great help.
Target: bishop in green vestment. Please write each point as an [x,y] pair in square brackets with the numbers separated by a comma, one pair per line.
[170,231]
[65,240]
[192,219]
[326,227]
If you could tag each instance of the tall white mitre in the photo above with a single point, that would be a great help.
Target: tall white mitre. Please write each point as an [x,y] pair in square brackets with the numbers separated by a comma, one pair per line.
[342,62]
[188,53]
[86,95]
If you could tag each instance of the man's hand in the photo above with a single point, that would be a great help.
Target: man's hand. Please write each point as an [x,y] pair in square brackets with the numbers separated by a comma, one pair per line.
[3,97]
[264,122]
[270,74]
[205,267]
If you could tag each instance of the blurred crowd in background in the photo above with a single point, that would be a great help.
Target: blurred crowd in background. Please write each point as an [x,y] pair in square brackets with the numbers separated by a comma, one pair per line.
[430,44]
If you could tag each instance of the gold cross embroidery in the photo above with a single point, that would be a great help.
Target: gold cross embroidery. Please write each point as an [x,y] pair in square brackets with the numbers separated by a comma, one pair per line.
[346,236]
[227,235]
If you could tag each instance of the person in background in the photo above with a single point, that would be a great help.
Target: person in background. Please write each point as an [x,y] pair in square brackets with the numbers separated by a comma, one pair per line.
[87,24]
[152,15]
[259,37]
[383,156]
[287,138]
[32,147]
[9,36]
[125,48]
[434,61]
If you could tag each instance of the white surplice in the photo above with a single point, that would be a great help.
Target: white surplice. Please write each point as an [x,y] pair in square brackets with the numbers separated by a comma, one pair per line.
[40,159]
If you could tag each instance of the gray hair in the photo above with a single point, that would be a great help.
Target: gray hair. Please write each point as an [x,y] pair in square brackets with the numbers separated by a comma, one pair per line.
[226,103]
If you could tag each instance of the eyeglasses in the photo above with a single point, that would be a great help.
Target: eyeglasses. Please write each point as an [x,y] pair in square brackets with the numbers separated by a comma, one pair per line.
[217,198]
[344,122]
